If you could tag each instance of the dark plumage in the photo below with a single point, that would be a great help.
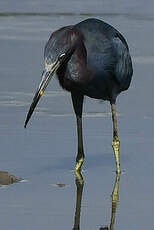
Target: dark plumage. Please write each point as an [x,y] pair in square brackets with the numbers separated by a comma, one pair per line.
[90,58]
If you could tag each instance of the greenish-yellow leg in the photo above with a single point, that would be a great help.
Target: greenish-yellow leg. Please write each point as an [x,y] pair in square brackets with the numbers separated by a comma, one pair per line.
[115,141]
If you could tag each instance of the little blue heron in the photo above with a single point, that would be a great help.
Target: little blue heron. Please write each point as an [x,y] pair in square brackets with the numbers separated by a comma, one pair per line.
[90,59]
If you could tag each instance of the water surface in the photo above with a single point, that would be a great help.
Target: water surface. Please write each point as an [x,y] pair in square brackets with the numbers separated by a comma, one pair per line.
[44,153]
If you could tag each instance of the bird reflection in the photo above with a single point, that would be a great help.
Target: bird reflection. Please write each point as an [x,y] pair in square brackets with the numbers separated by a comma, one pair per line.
[114,200]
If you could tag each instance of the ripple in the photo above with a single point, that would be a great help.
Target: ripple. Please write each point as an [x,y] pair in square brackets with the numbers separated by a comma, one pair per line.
[88,14]
[46,112]
[22,98]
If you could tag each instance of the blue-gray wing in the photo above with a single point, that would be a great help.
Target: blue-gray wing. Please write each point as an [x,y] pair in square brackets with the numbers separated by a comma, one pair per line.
[123,67]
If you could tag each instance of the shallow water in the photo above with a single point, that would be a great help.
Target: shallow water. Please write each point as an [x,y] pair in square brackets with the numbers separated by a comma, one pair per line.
[44,153]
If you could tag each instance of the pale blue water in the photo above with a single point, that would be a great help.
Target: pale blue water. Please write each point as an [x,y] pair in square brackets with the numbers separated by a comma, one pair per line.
[44,153]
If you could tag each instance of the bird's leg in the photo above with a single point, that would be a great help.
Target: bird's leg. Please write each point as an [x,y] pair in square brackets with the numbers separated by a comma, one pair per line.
[80,155]
[77,100]
[115,141]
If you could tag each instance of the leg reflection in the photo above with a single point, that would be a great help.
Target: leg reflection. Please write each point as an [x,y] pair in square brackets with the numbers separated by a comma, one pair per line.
[114,200]
[79,185]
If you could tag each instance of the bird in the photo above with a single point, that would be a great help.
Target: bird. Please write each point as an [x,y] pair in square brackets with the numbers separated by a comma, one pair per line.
[90,58]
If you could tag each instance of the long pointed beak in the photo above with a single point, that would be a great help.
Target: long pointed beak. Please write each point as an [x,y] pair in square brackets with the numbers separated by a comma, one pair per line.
[46,77]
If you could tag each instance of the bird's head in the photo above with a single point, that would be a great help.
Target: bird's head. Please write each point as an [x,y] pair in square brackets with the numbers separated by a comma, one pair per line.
[58,50]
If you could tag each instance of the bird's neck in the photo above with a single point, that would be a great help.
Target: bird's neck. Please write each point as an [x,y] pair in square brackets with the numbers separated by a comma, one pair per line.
[75,74]
[77,69]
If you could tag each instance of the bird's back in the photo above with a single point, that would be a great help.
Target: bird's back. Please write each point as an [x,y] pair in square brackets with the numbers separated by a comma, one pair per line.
[107,54]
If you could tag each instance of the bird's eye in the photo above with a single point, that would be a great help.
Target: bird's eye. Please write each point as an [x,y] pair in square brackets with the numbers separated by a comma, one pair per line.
[61,56]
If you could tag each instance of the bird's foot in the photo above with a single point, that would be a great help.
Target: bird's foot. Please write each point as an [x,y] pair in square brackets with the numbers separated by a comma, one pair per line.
[79,164]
